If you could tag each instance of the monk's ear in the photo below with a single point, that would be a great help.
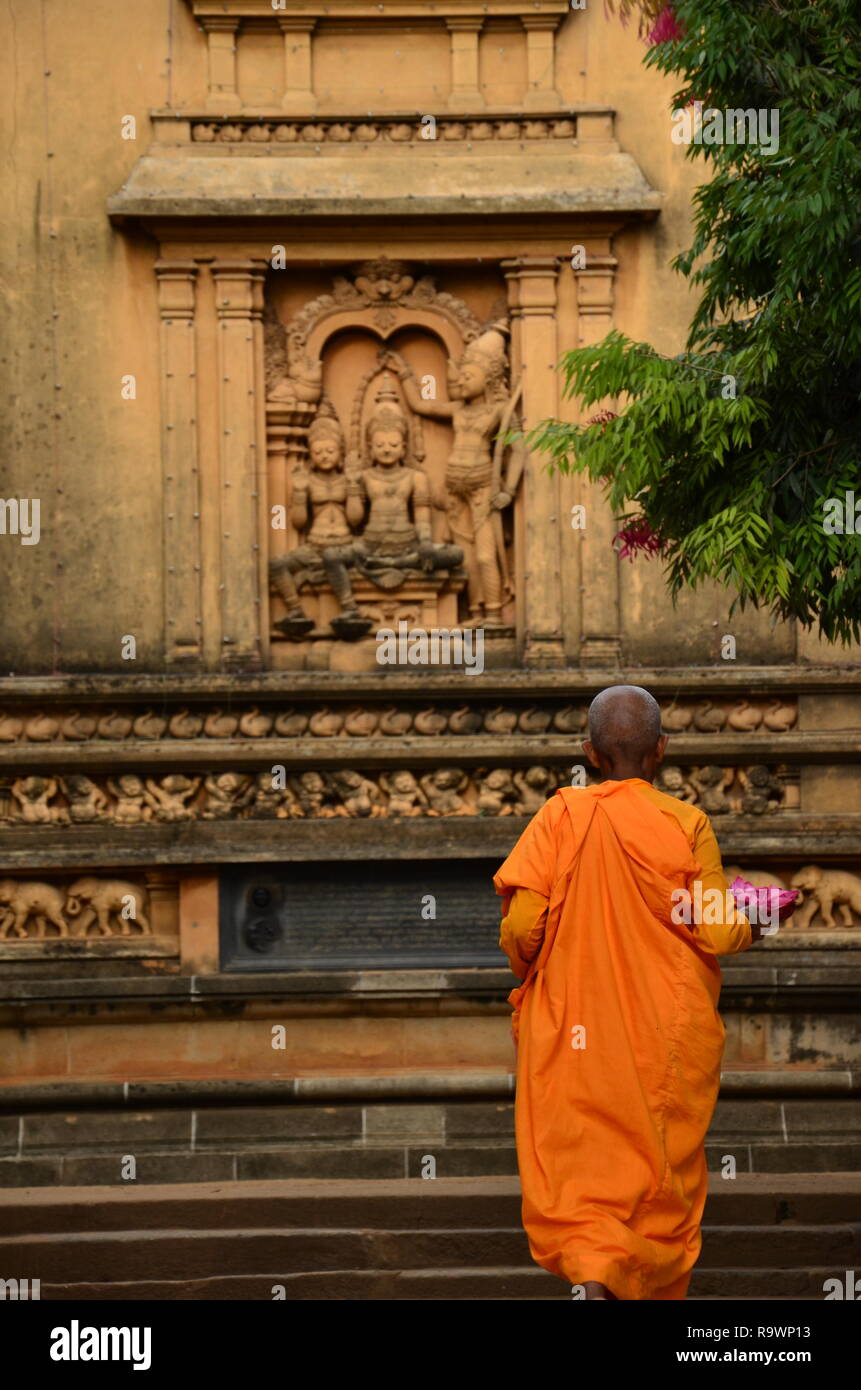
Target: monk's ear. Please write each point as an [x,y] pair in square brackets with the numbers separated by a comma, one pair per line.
[661,748]
[589,750]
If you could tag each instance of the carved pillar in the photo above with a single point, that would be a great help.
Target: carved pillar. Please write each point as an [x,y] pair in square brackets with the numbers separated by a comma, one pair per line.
[600,644]
[180,469]
[163,894]
[239,306]
[541,61]
[221,33]
[298,82]
[532,297]
[465,92]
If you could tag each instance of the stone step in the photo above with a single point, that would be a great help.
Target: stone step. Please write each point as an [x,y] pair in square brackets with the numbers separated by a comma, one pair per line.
[766,1237]
[466,1138]
[752,1199]
[179,1255]
[456,1284]
[353,1162]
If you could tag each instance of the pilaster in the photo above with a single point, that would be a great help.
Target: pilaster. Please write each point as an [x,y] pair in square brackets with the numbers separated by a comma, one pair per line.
[238,304]
[298,72]
[181,469]
[541,60]
[601,619]
[465,92]
[223,94]
[532,286]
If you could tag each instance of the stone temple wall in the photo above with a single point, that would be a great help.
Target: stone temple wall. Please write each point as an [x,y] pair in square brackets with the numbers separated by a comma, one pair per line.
[287,280]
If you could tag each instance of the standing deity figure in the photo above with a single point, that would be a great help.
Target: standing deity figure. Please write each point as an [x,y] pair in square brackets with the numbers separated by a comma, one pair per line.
[397,534]
[326,508]
[479,408]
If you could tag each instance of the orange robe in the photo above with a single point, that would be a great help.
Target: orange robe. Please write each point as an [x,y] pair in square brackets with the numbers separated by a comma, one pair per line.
[619,1037]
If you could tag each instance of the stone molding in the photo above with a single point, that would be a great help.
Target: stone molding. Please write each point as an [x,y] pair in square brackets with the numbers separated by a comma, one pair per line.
[262,129]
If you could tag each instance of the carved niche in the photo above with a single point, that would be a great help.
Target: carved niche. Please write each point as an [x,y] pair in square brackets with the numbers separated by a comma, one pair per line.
[391,484]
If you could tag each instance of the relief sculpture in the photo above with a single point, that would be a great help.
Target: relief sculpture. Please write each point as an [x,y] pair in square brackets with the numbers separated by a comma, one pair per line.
[364,510]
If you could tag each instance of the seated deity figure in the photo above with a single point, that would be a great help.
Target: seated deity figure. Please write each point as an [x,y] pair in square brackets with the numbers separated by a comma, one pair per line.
[479,408]
[397,534]
[326,508]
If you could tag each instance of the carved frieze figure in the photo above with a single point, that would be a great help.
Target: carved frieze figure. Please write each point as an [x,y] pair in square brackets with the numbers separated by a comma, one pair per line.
[534,786]
[406,797]
[711,783]
[87,802]
[762,791]
[326,508]
[132,806]
[98,900]
[358,794]
[169,797]
[21,901]
[226,794]
[268,802]
[480,409]
[315,796]
[825,889]
[496,793]
[672,780]
[34,795]
[443,790]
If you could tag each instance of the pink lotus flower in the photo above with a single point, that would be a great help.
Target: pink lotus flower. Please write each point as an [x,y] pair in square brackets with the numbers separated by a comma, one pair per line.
[771,903]
[637,537]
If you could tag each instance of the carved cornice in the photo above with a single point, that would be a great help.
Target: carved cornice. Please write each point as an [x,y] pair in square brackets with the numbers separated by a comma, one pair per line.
[373,10]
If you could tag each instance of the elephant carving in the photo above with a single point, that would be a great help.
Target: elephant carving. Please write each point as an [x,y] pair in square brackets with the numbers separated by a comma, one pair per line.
[97,900]
[823,890]
[21,901]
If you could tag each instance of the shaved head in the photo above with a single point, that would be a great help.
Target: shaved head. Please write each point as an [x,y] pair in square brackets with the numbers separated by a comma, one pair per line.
[624,723]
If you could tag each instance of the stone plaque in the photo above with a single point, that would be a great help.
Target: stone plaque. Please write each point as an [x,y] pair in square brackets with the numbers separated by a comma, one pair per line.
[359,915]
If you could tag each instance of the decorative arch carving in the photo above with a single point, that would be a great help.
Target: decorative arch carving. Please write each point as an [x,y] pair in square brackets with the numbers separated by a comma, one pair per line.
[381,297]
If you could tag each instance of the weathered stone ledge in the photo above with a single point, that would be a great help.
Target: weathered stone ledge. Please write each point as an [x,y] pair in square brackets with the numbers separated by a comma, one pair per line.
[490,1085]
[572,681]
[477,750]
[824,966]
[781,835]
[55,948]
[374,182]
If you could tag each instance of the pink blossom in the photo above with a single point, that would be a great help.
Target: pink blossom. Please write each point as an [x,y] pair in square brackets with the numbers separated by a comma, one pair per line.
[637,536]
[766,900]
[665,28]
[603,418]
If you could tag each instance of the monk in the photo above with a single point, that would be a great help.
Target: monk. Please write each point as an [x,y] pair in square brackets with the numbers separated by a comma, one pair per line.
[619,1037]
